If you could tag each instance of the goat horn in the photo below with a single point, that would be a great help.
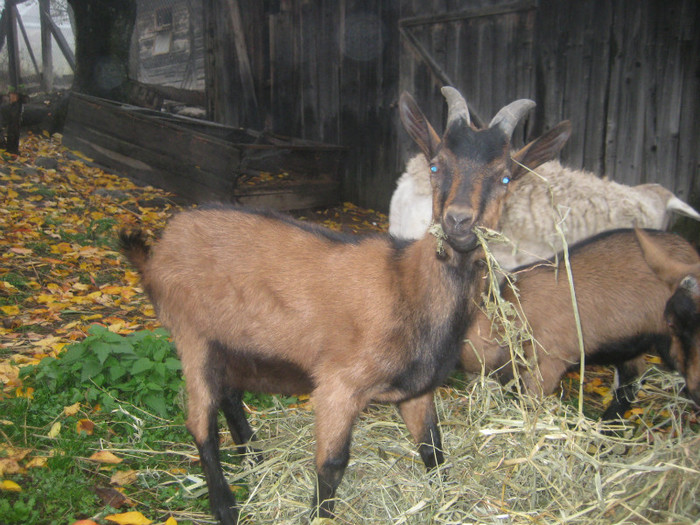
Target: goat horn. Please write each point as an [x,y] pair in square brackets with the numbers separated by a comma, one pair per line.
[456,106]
[508,117]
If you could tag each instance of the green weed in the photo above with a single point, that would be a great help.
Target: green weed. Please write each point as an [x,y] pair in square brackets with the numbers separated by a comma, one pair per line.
[105,367]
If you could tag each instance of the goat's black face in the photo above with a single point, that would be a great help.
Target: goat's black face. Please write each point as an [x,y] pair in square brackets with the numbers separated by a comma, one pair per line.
[469,174]
[683,316]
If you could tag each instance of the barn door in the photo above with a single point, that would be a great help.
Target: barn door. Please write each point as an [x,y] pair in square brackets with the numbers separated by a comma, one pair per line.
[483,48]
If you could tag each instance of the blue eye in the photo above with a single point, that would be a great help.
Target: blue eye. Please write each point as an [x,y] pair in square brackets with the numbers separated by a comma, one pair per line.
[433,169]
[505,180]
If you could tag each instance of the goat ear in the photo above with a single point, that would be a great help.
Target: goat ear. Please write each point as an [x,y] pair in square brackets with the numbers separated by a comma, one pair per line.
[669,270]
[417,126]
[542,149]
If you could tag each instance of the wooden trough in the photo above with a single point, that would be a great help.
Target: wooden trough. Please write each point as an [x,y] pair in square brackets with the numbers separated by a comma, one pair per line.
[202,161]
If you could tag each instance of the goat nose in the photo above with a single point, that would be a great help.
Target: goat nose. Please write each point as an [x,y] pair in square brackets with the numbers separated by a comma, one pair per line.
[458,221]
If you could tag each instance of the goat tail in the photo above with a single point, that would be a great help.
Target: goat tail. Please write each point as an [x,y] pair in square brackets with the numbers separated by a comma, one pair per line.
[677,205]
[132,243]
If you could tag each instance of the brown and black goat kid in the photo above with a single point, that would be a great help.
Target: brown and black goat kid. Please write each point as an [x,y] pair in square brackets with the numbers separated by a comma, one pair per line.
[257,301]
[682,310]
[620,302]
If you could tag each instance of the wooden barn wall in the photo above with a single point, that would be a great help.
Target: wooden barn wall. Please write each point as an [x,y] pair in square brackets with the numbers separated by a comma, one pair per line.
[333,76]
[625,73]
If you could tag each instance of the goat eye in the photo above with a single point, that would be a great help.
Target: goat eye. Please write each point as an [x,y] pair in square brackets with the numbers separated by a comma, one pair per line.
[505,180]
[433,168]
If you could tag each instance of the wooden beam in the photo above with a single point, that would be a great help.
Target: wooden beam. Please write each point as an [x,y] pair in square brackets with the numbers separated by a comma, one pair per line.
[46,51]
[247,82]
[435,68]
[476,12]
[61,41]
[26,41]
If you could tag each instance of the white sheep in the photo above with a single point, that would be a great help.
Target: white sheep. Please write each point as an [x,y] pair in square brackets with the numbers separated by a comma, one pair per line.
[588,204]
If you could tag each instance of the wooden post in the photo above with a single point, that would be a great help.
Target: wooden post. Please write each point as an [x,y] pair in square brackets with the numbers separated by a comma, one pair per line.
[12,44]
[247,84]
[46,51]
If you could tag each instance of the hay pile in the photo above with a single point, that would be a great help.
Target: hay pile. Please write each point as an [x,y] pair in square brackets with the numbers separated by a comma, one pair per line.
[504,464]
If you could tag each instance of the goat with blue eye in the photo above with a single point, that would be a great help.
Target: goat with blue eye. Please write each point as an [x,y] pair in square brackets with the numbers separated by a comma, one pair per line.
[258,301]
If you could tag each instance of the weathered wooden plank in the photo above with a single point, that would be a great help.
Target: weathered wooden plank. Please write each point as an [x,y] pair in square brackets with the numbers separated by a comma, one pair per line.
[162,137]
[148,167]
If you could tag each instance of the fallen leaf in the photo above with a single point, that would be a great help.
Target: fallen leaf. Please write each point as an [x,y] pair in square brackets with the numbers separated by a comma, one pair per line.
[10,309]
[85,425]
[9,466]
[84,522]
[37,462]
[129,518]
[123,477]
[113,497]
[105,456]
[72,409]
[55,429]
[10,486]
[170,521]
[25,392]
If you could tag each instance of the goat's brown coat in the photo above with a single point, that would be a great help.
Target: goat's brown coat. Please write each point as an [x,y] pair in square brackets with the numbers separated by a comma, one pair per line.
[619,299]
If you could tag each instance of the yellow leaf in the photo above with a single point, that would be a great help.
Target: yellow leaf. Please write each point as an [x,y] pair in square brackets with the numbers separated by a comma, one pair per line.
[55,429]
[10,309]
[37,462]
[72,409]
[8,373]
[104,456]
[9,466]
[10,486]
[28,393]
[129,518]
[171,521]
[123,477]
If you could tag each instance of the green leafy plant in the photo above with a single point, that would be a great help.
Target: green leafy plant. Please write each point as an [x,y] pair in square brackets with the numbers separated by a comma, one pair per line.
[140,368]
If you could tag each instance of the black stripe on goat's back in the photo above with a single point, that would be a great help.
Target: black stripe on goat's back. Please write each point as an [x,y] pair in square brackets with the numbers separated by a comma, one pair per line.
[310,227]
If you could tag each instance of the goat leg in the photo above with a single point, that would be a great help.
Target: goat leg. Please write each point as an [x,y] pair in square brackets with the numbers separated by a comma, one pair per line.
[221,499]
[626,387]
[241,433]
[422,422]
[336,412]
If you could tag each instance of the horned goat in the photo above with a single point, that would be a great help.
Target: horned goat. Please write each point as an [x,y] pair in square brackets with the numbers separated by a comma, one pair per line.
[588,203]
[259,302]
[620,303]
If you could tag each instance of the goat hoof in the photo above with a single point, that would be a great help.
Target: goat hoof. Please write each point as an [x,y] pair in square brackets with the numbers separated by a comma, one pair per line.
[227,516]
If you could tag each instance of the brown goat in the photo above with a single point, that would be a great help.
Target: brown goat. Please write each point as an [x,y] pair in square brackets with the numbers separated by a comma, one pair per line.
[620,303]
[682,310]
[257,301]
